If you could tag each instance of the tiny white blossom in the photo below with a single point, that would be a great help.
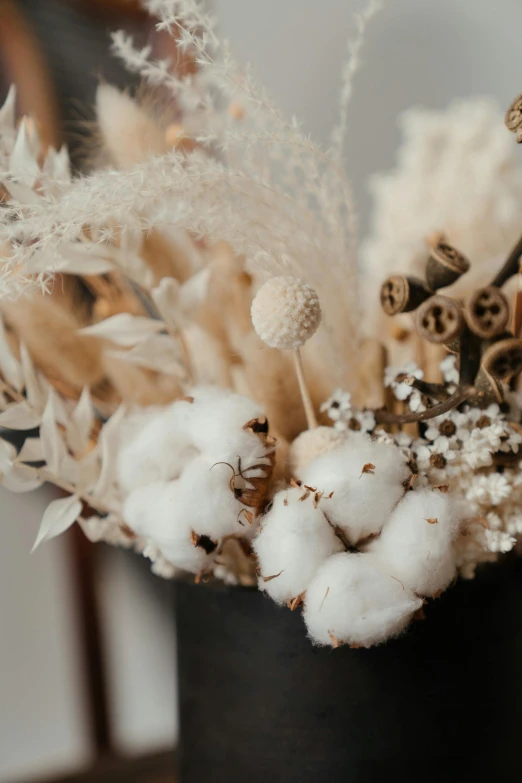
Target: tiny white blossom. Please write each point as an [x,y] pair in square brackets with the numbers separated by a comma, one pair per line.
[401,390]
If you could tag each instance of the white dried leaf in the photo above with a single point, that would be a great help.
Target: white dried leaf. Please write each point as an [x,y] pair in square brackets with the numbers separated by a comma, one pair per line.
[20,416]
[22,161]
[80,423]
[7,456]
[158,352]
[124,329]
[86,259]
[53,446]
[58,517]
[33,388]
[193,293]
[108,443]
[31,451]
[166,299]
[7,113]
[21,479]
[21,192]
[9,365]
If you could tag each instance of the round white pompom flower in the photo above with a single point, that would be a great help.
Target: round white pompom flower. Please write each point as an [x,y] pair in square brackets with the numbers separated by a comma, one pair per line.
[294,540]
[286,312]
[311,444]
[416,544]
[353,600]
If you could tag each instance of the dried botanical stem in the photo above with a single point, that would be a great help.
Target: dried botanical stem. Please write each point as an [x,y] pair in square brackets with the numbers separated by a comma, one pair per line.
[511,266]
[387,417]
[470,355]
[435,390]
[303,388]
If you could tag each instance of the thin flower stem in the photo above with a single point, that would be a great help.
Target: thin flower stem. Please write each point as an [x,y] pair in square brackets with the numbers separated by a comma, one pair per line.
[303,388]
[387,417]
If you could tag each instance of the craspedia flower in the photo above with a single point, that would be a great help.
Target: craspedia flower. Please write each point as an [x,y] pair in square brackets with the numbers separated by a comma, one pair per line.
[286,312]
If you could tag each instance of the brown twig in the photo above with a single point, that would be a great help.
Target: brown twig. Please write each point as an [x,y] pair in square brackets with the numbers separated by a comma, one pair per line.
[387,417]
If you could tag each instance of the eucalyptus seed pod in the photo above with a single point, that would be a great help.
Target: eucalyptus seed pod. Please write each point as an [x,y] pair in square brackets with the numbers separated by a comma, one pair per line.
[503,359]
[401,294]
[440,319]
[513,118]
[487,391]
[487,313]
[445,266]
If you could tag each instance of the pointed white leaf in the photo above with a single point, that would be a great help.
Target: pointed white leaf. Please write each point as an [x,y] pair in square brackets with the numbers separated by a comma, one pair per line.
[24,194]
[166,298]
[80,423]
[9,365]
[108,442]
[8,112]
[22,161]
[86,259]
[53,446]
[21,479]
[56,165]
[158,352]
[58,517]
[124,329]
[7,456]
[31,451]
[20,416]
[193,293]
[33,389]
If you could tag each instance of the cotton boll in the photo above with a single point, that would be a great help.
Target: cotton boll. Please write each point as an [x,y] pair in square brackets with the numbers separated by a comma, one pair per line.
[416,542]
[353,600]
[207,503]
[158,451]
[366,480]
[215,425]
[155,513]
[294,540]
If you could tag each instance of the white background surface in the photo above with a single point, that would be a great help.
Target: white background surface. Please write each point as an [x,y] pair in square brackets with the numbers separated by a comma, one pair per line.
[417,51]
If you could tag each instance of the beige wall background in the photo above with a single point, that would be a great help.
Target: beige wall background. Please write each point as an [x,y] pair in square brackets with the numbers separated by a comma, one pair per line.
[417,52]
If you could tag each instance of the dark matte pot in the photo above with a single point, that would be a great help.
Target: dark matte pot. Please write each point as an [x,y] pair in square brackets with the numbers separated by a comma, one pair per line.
[259,703]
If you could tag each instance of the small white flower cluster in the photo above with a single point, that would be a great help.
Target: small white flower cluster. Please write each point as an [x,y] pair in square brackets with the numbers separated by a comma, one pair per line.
[354,546]
[193,474]
[339,410]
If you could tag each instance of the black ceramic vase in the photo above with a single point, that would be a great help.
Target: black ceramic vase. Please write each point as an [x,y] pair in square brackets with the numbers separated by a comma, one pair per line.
[259,703]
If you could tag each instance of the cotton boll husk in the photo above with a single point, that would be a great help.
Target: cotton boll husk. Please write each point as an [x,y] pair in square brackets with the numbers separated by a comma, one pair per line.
[294,540]
[353,600]
[128,132]
[156,452]
[155,513]
[417,551]
[362,501]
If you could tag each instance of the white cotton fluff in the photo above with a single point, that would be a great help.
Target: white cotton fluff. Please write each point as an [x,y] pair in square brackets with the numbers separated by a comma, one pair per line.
[353,600]
[366,479]
[294,540]
[162,445]
[416,549]
[206,501]
[214,425]
[157,451]
[154,513]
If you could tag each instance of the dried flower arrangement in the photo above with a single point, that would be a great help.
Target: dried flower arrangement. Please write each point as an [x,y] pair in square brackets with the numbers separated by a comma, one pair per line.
[202,282]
